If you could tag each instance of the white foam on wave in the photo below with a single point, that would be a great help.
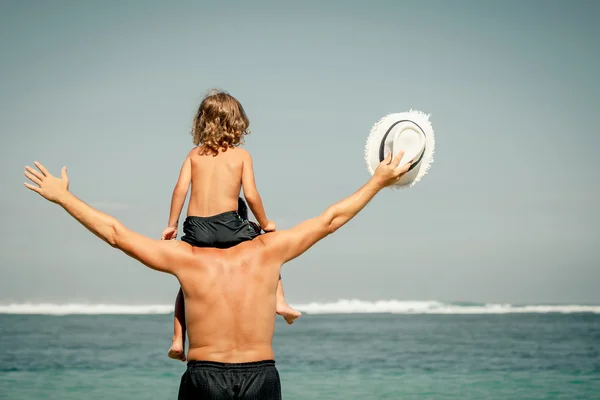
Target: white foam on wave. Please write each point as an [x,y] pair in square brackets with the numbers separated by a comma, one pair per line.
[84,309]
[435,307]
[338,307]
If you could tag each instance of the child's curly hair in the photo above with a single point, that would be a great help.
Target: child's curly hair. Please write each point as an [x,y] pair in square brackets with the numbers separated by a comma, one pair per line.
[220,122]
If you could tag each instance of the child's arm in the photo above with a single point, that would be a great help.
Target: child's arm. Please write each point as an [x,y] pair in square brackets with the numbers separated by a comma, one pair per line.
[178,199]
[251,194]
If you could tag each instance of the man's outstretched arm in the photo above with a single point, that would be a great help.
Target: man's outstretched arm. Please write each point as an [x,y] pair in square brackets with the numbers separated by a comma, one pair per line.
[156,254]
[289,244]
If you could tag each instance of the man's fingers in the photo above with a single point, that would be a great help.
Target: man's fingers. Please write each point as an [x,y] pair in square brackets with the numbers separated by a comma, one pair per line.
[397,159]
[33,178]
[32,187]
[42,168]
[388,158]
[34,172]
[403,169]
[63,173]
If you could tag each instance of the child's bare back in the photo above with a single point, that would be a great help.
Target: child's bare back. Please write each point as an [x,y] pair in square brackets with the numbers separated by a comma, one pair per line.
[216,180]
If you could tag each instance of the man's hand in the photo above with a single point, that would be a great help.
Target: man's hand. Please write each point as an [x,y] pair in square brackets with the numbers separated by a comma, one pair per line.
[270,227]
[170,233]
[48,186]
[388,172]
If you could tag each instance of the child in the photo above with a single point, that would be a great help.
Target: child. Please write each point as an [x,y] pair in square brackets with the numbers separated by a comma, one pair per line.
[217,169]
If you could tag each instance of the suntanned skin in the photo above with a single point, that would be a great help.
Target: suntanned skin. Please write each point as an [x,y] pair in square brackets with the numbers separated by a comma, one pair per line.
[216,182]
[230,294]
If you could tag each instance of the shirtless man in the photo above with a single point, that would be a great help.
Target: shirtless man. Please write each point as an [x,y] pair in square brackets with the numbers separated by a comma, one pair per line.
[230,294]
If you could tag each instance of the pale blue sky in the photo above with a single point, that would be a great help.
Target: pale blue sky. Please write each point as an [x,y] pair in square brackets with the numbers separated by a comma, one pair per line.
[509,210]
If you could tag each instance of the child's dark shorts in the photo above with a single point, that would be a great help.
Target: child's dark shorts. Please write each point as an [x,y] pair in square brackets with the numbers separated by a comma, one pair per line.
[221,231]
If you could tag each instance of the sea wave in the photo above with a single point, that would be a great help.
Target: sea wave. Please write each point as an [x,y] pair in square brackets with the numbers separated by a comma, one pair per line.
[337,307]
[84,309]
[436,307]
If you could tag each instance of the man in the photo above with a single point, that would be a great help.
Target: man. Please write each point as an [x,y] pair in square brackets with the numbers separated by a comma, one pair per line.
[230,294]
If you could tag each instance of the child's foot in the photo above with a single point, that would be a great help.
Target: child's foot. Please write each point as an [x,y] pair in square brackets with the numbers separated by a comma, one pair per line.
[176,351]
[288,313]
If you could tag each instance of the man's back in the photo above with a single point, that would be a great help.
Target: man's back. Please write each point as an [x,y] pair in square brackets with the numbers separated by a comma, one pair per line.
[230,296]
[216,181]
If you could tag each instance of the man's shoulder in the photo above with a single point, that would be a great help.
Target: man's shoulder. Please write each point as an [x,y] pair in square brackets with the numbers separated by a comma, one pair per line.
[248,248]
[261,249]
[193,256]
[181,248]
[268,241]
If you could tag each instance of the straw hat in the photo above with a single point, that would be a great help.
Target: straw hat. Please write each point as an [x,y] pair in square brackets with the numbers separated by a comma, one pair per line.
[409,131]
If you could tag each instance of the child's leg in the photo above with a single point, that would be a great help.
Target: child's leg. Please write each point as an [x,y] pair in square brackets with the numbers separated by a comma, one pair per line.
[283,308]
[177,350]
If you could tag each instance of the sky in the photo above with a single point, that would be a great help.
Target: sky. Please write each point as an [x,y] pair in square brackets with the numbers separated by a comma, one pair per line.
[507,213]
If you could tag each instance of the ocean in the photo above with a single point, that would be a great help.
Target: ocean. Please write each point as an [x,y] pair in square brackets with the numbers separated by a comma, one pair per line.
[343,350]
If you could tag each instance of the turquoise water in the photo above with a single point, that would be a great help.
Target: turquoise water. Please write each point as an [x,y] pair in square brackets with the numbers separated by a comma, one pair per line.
[368,356]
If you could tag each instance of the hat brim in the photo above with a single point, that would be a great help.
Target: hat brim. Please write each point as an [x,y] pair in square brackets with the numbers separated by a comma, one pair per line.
[408,131]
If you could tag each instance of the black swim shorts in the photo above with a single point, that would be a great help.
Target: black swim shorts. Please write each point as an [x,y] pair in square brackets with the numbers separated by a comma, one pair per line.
[209,380]
[221,231]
